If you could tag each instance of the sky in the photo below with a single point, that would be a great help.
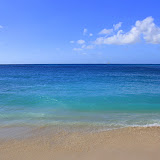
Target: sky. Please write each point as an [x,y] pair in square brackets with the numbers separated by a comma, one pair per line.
[79,31]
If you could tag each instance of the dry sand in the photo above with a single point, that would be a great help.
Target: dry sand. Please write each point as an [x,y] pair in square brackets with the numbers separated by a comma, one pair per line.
[134,143]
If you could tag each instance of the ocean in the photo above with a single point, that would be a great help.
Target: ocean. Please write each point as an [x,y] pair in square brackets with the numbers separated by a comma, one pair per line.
[91,97]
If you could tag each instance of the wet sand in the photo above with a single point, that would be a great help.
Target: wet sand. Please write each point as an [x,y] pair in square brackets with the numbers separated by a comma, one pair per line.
[133,143]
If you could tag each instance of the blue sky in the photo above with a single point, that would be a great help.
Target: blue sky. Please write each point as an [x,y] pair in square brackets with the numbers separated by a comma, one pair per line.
[79,31]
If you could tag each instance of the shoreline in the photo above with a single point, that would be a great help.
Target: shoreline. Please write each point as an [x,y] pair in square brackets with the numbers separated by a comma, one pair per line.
[25,131]
[142,142]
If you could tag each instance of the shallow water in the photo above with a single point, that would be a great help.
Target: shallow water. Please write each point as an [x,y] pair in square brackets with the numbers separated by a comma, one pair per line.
[96,97]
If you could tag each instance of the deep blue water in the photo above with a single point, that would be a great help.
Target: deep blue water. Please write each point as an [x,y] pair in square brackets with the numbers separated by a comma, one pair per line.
[109,96]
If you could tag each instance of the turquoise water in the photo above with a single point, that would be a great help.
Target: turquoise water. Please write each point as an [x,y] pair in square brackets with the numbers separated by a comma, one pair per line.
[100,96]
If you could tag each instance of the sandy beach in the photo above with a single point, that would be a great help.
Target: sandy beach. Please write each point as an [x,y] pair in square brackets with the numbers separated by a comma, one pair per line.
[140,143]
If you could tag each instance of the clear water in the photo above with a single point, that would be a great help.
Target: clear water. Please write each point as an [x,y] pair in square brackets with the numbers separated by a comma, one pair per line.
[100,96]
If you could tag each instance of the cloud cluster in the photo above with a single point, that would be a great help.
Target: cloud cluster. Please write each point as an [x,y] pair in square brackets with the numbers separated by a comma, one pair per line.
[84,46]
[85,31]
[81,44]
[109,31]
[106,31]
[117,26]
[145,29]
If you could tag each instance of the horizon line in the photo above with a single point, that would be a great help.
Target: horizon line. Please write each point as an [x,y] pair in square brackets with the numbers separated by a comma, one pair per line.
[80,64]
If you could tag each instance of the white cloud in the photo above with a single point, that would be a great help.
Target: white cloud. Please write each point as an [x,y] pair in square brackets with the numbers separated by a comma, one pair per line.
[89,47]
[83,47]
[1,26]
[117,26]
[147,28]
[120,38]
[151,32]
[106,31]
[80,41]
[71,41]
[84,31]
